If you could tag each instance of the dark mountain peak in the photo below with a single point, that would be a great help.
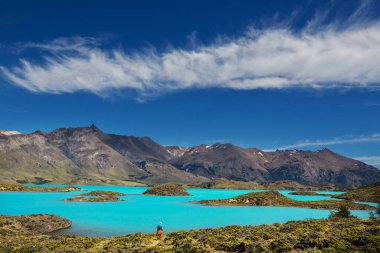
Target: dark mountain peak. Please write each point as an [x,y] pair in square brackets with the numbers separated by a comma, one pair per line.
[223,145]
[326,150]
[71,130]
[281,151]
[146,138]
[214,148]
[93,128]
[40,133]
[136,148]
[256,150]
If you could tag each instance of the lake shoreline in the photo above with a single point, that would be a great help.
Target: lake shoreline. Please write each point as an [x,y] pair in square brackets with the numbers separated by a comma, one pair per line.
[141,213]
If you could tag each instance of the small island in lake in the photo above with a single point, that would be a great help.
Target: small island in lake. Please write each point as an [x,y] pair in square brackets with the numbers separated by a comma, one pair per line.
[32,224]
[168,189]
[23,188]
[274,198]
[97,196]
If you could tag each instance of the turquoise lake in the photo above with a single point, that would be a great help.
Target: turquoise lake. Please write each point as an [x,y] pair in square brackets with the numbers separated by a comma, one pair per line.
[139,213]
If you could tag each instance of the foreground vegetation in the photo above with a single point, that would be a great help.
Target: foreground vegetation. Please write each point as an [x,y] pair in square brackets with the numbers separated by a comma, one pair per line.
[274,198]
[168,189]
[333,235]
[23,188]
[369,193]
[97,196]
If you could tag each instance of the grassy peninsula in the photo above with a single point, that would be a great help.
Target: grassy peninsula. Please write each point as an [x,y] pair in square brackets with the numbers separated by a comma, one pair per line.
[31,224]
[169,189]
[323,235]
[23,188]
[309,193]
[97,196]
[369,193]
[274,198]
[222,183]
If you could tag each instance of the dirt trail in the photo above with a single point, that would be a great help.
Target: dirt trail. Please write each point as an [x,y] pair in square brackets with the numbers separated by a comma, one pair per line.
[99,246]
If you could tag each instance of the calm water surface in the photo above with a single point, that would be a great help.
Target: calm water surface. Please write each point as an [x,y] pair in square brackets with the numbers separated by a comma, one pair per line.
[139,213]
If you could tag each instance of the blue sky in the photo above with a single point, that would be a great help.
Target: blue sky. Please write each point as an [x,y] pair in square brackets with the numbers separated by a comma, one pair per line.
[265,74]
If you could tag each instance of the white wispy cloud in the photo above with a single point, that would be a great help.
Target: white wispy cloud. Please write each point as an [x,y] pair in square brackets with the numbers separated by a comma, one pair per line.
[74,44]
[334,141]
[272,58]
[372,160]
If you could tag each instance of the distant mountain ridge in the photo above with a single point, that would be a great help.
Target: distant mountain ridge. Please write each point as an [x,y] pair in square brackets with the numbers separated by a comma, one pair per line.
[249,164]
[89,156]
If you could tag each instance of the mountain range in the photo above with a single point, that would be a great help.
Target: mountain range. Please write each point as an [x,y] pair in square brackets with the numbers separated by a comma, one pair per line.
[86,155]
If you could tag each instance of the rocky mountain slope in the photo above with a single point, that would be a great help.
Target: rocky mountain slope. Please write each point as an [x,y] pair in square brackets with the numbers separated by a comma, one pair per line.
[87,155]
[223,160]
[83,156]
[322,167]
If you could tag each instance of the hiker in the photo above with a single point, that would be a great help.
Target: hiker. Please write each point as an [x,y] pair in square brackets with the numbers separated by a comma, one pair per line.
[160,230]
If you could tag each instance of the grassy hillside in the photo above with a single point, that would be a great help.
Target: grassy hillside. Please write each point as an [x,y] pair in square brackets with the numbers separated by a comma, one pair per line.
[22,188]
[222,183]
[369,193]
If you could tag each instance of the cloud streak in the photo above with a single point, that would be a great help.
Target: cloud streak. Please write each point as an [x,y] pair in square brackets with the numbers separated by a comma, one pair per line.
[265,59]
[371,103]
[76,44]
[373,160]
[335,141]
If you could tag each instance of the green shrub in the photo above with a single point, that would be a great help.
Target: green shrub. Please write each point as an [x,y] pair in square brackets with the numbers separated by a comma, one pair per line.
[342,212]
[281,245]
